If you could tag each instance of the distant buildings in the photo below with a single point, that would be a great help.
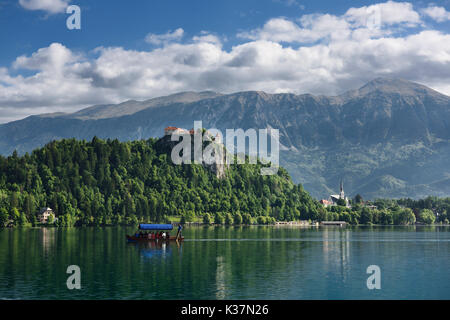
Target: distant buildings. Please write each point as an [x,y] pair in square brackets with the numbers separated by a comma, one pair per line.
[180,131]
[326,203]
[174,130]
[336,199]
[44,215]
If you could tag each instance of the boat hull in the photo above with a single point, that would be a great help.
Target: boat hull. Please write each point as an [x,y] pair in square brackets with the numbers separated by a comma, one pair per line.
[138,239]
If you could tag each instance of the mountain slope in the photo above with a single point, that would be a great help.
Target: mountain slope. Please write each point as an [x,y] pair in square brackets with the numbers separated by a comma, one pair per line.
[389,138]
[111,183]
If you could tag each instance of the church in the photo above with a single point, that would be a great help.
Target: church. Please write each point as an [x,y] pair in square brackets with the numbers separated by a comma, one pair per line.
[334,198]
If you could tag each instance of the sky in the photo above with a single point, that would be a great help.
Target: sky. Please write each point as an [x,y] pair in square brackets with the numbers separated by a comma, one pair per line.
[142,49]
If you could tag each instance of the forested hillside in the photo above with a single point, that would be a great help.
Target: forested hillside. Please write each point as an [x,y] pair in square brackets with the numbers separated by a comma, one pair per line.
[110,182]
[387,139]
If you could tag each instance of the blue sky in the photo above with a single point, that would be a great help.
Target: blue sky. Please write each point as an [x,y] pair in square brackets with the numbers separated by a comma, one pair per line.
[141,49]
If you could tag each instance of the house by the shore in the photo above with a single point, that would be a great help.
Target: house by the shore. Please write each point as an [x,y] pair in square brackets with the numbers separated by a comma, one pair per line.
[44,215]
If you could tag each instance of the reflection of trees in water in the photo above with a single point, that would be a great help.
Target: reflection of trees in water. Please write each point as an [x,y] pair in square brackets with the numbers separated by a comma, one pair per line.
[221,279]
[48,238]
[336,250]
[27,263]
[244,259]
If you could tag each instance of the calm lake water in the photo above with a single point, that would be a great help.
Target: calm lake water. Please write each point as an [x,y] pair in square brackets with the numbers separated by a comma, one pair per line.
[228,263]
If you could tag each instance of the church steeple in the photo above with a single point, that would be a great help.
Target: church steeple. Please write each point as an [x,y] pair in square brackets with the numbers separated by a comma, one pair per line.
[342,193]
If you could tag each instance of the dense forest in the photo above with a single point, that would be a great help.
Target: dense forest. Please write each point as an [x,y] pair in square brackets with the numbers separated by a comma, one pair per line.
[112,183]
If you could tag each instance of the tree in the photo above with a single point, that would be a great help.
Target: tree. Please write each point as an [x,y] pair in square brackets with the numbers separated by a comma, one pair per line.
[4,217]
[218,219]
[247,218]
[358,199]
[261,220]
[386,217]
[228,219]
[427,216]
[366,216]
[237,218]
[207,218]
[15,216]
[404,217]
[51,219]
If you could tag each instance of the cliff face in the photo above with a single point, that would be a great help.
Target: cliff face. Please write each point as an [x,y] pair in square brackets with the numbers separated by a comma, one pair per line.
[215,160]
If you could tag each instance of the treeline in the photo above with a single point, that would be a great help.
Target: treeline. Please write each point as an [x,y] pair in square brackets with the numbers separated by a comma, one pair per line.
[430,210]
[123,183]
[113,183]
[362,214]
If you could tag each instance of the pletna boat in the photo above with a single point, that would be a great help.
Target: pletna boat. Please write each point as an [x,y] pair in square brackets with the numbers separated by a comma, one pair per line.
[153,235]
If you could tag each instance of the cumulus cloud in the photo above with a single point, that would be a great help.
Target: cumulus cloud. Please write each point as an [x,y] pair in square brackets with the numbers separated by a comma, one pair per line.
[50,6]
[369,21]
[342,54]
[440,14]
[206,36]
[158,39]
[389,13]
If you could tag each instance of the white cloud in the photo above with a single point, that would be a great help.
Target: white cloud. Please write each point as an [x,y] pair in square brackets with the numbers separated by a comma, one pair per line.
[388,13]
[206,37]
[315,27]
[367,21]
[50,6]
[291,3]
[158,39]
[440,14]
[341,55]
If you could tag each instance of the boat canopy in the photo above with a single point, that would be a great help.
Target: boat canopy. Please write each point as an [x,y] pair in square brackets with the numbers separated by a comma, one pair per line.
[155,226]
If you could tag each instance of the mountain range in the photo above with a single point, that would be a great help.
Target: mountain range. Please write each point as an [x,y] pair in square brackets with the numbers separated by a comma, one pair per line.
[389,138]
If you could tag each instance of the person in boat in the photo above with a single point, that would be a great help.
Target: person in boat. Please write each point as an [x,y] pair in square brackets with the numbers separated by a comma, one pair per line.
[167,235]
[179,230]
[163,235]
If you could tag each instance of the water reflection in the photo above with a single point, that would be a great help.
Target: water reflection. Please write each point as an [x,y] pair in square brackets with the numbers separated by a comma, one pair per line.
[227,263]
[154,249]
[336,254]
[48,238]
[220,279]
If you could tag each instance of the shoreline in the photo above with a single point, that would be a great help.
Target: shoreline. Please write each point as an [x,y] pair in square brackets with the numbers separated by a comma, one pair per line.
[200,224]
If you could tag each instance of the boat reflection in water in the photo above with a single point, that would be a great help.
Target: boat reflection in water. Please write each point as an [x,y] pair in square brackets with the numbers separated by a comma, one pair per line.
[157,249]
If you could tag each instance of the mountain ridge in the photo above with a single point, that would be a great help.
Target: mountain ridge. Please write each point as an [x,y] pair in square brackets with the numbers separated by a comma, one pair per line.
[386,128]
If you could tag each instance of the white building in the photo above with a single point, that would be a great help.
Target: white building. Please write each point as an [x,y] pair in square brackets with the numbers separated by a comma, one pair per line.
[44,214]
[336,197]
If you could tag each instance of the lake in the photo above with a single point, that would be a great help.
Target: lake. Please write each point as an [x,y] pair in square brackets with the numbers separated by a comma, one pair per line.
[258,262]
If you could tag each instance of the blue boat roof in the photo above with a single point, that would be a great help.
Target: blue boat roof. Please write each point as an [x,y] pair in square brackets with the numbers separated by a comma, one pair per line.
[143,226]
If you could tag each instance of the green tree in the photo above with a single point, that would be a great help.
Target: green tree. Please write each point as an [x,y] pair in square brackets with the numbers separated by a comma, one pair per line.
[207,218]
[4,217]
[219,219]
[247,218]
[366,216]
[358,199]
[404,217]
[427,216]
[228,219]
[237,218]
